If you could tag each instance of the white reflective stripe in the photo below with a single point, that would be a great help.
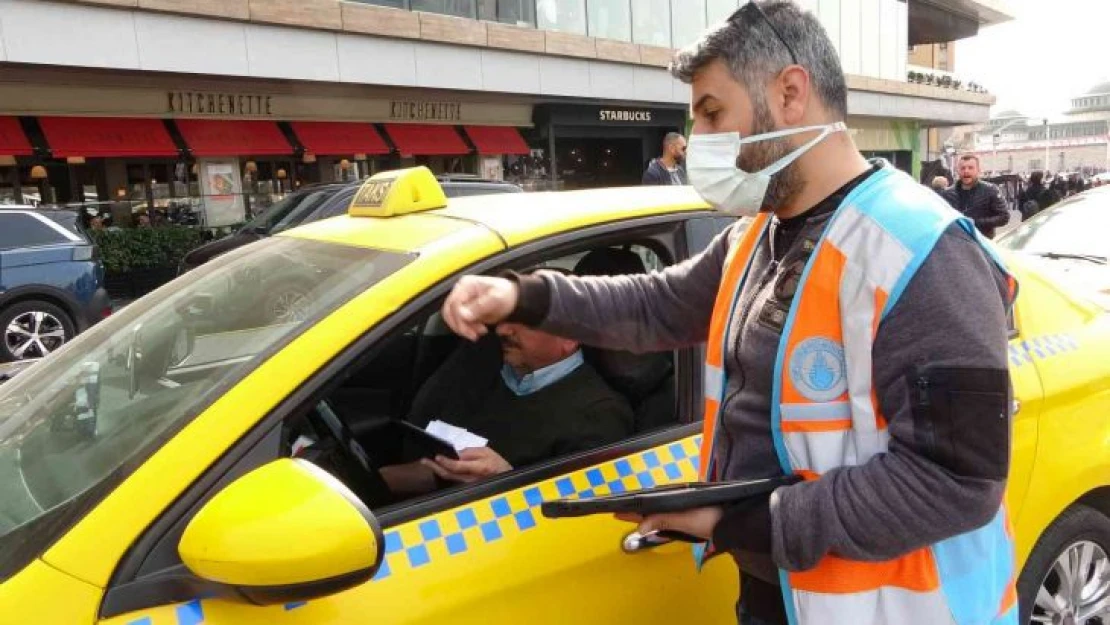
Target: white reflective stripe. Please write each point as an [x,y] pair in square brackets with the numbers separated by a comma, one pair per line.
[868,245]
[821,452]
[829,411]
[884,606]
[857,318]
[714,382]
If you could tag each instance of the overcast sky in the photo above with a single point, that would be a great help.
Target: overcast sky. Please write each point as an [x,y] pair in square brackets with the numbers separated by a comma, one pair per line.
[1054,50]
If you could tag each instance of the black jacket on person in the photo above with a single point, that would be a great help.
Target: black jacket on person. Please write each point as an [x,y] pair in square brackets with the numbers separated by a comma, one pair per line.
[657,174]
[1041,196]
[982,203]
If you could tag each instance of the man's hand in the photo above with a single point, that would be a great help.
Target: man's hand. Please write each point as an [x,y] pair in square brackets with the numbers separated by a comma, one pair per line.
[698,522]
[472,465]
[479,301]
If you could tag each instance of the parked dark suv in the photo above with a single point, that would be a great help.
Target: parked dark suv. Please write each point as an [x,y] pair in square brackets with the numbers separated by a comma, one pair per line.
[51,281]
[321,201]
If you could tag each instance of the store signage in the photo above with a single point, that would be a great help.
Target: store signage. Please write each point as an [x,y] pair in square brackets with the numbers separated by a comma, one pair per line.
[211,103]
[623,115]
[415,110]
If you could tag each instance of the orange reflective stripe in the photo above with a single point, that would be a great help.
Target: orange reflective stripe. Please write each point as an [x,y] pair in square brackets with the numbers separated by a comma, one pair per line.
[806,474]
[1010,598]
[817,315]
[916,571]
[817,426]
[735,266]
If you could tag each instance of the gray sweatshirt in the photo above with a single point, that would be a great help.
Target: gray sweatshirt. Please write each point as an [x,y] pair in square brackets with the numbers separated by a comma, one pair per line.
[951,314]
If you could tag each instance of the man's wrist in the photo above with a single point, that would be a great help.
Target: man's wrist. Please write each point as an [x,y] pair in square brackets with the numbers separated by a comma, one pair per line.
[533,299]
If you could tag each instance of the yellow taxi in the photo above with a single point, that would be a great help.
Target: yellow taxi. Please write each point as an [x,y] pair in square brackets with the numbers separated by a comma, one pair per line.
[150,473]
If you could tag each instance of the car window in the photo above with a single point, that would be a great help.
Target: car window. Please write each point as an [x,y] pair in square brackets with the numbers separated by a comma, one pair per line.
[301,213]
[26,230]
[335,206]
[426,374]
[468,190]
[81,420]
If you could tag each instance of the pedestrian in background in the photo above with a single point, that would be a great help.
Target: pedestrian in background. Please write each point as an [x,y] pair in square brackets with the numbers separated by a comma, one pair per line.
[977,199]
[940,184]
[668,169]
[1036,197]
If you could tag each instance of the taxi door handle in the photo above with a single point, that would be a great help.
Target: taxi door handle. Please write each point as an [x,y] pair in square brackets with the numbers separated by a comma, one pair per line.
[1016,406]
[636,542]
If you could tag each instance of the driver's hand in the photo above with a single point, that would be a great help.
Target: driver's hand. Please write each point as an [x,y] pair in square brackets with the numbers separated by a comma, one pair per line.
[473,465]
[477,302]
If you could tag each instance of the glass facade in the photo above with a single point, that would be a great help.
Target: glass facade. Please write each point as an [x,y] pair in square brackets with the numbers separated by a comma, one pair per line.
[687,22]
[518,12]
[664,23]
[567,16]
[720,10]
[610,19]
[651,22]
[460,8]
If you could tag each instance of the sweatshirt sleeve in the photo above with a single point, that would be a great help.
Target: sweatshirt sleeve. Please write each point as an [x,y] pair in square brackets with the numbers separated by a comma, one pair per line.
[944,471]
[663,310]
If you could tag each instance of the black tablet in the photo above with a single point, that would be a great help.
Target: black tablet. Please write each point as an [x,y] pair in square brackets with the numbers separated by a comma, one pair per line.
[661,499]
[426,444]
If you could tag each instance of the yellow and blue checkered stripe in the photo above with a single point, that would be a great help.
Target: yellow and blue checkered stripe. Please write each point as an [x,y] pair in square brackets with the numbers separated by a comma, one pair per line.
[1041,348]
[455,532]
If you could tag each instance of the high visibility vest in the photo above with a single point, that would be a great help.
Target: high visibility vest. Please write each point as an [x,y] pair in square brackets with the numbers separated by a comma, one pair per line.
[825,412]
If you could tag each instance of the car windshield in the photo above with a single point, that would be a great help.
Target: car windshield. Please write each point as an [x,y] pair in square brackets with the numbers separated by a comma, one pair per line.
[1070,242]
[76,424]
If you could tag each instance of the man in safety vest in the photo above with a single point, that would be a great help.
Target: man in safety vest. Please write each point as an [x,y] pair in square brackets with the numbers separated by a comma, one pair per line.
[856,334]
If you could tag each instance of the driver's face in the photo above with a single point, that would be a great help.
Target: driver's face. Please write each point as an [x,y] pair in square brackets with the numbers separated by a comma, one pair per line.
[721,104]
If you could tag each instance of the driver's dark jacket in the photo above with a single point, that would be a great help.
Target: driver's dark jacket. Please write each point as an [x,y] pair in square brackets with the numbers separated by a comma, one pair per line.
[577,413]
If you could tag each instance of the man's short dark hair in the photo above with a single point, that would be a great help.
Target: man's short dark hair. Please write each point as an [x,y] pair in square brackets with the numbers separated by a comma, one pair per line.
[971,157]
[670,139]
[754,52]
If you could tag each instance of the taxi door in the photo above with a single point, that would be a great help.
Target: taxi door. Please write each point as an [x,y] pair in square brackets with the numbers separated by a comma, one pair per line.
[498,560]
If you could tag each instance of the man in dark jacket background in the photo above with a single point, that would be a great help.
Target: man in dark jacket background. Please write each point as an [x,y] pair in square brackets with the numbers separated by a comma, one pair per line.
[668,169]
[978,200]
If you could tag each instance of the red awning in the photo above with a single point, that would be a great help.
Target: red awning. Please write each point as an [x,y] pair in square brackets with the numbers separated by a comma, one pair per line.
[107,136]
[497,140]
[426,139]
[12,140]
[339,138]
[230,138]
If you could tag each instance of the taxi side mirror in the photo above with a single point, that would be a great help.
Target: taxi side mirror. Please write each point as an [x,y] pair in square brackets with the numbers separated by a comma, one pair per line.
[287,531]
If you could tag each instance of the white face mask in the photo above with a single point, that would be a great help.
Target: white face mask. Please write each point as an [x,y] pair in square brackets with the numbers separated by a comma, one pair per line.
[711,166]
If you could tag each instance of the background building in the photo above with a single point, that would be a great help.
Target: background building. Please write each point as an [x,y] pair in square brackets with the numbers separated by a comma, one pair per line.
[1077,141]
[197,101]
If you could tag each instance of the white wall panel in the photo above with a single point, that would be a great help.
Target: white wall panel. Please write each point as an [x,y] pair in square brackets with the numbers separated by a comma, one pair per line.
[829,12]
[168,43]
[448,67]
[278,52]
[562,76]
[612,80]
[850,36]
[890,51]
[376,60]
[653,84]
[510,72]
[871,37]
[68,34]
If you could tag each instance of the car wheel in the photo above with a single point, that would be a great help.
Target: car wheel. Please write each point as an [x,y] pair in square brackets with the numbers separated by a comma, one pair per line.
[33,329]
[1066,580]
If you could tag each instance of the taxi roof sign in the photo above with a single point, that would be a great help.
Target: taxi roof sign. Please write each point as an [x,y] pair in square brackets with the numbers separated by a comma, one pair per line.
[398,192]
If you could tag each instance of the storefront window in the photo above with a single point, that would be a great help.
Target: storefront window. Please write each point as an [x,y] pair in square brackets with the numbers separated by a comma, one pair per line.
[567,16]
[519,12]
[610,19]
[687,21]
[9,184]
[719,10]
[651,22]
[461,8]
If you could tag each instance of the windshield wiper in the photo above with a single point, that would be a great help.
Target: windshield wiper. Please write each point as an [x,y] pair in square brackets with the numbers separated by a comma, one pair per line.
[1091,258]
